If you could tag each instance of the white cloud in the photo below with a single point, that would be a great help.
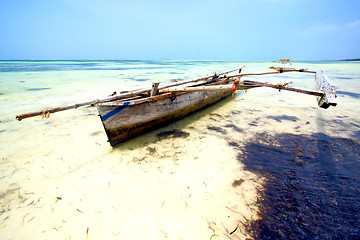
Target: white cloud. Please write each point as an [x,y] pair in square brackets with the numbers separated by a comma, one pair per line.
[353,24]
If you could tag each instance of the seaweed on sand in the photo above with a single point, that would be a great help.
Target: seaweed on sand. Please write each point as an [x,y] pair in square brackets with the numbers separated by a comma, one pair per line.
[176,133]
[217,129]
[311,186]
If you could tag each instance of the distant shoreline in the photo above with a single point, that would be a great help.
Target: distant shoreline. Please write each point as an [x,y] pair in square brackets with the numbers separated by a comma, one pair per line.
[351,60]
[137,60]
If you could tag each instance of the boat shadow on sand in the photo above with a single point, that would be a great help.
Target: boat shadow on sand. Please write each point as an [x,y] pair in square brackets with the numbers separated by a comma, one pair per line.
[311,182]
[311,186]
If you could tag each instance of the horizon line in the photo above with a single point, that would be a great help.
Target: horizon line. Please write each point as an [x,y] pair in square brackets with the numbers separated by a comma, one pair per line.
[217,60]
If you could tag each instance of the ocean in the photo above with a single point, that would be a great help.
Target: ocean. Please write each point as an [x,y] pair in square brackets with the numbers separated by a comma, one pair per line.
[262,163]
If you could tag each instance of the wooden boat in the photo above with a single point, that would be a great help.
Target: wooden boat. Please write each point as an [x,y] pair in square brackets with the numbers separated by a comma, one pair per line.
[284,61]
[125,119]
[132,113]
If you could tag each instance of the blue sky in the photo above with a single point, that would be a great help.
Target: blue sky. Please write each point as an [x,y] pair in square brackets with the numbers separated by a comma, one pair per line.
[181,29]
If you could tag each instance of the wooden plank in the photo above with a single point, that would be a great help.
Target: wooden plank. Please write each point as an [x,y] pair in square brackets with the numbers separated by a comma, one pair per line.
[154,89]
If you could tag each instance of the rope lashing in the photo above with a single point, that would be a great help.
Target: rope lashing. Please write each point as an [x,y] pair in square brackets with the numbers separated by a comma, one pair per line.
[45,114]
[238,85]
[213,78]
[279,86]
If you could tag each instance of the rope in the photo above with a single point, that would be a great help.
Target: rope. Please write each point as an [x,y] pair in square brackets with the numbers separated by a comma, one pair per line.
[214,77]
[239,85]
[45,114]
[279,86]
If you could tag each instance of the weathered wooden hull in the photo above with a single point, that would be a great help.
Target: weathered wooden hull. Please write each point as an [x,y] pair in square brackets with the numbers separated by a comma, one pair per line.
[125,120]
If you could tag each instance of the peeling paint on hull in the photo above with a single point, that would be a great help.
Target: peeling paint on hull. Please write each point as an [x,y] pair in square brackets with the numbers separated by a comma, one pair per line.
[125,121]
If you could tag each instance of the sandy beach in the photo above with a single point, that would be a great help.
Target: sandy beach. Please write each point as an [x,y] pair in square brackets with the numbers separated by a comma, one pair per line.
[153,188]
[60,179]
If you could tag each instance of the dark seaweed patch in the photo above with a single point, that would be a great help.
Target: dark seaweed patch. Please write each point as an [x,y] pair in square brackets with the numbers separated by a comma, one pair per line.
[176,133]
[252,111]
[89,114]
[283,118]
[233,144]
[142,79]
[216,115]
[2,131]
[235,112]
[96,133]
[337,121]
[151,150]
[311,188]
[217,129]
[37,89]
[237,182]
[234,127]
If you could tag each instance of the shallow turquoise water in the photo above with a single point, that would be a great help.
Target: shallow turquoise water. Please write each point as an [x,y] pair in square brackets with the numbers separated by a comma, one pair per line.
[33,85]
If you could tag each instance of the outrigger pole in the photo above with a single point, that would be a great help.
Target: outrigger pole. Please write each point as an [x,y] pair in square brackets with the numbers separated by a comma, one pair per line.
[323,85]
[122,95]
[325,89]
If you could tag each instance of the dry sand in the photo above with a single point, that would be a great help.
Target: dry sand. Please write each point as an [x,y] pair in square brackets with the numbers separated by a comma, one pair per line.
[66,182]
